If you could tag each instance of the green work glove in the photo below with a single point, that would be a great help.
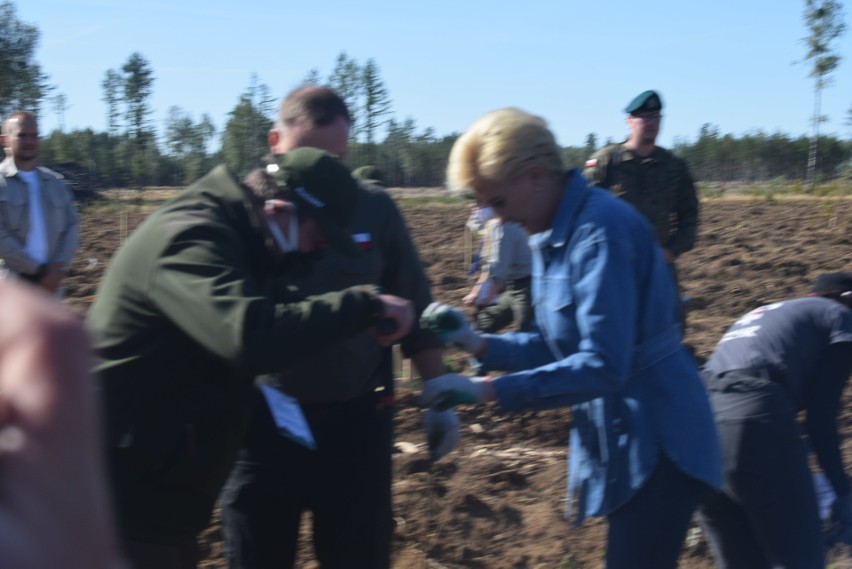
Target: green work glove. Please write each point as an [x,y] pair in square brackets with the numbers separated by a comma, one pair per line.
[442,431]
[451,326]
[451,389]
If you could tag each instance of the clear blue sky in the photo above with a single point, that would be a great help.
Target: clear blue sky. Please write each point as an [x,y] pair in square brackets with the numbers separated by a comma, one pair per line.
[726,62]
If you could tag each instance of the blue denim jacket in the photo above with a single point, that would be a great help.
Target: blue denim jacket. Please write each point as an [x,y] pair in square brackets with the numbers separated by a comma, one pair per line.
[607,342]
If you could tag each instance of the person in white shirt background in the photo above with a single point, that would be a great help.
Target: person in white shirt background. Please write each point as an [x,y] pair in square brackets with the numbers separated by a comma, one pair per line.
[39,231]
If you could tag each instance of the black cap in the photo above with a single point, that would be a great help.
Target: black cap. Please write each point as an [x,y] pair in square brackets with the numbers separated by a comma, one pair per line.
[322,188]
[649,101]
[833,283]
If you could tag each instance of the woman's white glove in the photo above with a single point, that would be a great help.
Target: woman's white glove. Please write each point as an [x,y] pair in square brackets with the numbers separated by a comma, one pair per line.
[451,389]
[442,431]
[452,327]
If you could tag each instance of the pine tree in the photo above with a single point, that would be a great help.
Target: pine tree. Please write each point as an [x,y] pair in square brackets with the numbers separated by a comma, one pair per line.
[824,19]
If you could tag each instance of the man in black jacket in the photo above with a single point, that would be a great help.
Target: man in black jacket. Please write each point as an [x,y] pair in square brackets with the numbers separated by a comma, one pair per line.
[777,360]
[345,392]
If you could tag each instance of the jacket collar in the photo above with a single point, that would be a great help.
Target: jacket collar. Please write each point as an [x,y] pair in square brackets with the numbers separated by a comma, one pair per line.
[573,197]
[221,190]
[627,154]
[8,168]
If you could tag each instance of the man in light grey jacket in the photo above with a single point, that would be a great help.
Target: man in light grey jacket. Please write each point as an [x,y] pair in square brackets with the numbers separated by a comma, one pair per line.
[38,223]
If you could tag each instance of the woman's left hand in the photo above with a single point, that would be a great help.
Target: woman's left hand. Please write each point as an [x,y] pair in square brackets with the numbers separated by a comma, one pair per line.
[452,389]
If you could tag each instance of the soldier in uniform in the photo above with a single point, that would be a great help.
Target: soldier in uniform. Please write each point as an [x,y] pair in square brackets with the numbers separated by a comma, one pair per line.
[651,178]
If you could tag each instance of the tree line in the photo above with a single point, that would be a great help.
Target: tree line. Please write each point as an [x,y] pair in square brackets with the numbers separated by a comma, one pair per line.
[411,158]
[131,153]
[753,157]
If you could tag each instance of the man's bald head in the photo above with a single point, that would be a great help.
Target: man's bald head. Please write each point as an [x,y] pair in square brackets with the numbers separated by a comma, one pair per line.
[20,139]
[15,119]
[315,116]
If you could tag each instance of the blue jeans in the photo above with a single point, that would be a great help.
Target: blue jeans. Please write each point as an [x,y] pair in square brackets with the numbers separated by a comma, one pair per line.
[648,531]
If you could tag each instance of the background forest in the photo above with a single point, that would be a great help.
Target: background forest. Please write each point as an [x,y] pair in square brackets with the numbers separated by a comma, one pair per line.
[133,151]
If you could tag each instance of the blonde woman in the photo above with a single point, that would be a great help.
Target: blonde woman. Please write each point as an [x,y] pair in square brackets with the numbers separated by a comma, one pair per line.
[606,342]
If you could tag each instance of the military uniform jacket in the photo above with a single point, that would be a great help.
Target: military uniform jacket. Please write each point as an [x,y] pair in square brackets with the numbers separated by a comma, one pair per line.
[354,367]
[182,323]
[60,218]
[658,185]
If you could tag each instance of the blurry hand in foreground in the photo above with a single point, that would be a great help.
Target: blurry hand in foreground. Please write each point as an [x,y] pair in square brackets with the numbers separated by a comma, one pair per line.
[54,507]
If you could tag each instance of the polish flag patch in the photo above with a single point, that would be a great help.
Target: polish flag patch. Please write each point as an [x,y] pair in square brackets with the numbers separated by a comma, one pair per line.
[591,162]
[363,240]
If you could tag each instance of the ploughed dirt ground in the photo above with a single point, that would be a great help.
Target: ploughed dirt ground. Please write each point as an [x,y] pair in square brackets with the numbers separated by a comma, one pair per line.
[497,501]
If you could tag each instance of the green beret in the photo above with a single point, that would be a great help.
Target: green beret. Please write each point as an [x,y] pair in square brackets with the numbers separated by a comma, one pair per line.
[321,188]
[644,102]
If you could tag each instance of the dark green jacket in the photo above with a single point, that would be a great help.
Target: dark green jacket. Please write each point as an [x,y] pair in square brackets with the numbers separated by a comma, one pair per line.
[658,185]
[182,323]
[352,368]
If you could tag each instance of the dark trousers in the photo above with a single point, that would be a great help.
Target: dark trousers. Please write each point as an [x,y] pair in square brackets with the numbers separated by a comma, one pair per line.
[142,555]
[679,298]
[767,517]
[513,306]
[648,531]
[345,483]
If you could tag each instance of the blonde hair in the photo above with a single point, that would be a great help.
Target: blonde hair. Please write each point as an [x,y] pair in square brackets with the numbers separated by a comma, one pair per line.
[500,146]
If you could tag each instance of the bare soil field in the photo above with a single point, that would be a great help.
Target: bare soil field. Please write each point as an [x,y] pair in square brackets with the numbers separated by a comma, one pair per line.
[497,501]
